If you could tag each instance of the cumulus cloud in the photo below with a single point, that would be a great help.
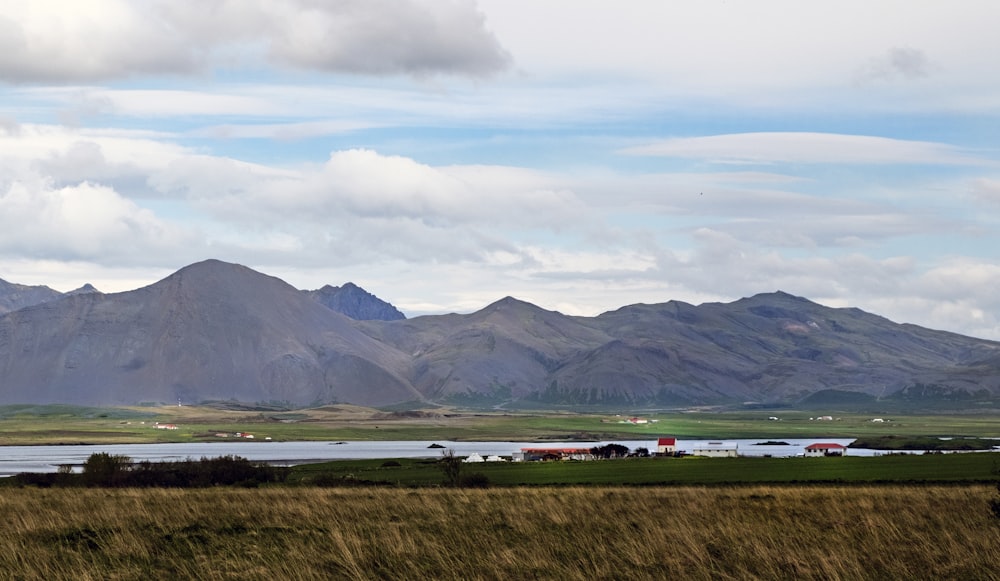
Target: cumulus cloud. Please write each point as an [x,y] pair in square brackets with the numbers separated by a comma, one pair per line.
[54,41]
[57,41]
[417,37]
[82,222]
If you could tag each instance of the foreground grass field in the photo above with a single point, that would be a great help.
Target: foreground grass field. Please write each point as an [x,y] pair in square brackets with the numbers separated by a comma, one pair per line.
[814,532]
[26,425]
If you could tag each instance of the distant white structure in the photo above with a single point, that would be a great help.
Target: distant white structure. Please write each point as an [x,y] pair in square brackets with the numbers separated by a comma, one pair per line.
[473,457]
[877,420]
[716,449]
[495,458]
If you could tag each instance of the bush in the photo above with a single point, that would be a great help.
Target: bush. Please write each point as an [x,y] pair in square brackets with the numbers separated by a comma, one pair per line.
[103,469]
[451,466]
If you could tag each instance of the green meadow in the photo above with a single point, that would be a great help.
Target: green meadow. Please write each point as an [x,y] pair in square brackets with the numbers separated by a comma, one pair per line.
[25,425]
[913,468]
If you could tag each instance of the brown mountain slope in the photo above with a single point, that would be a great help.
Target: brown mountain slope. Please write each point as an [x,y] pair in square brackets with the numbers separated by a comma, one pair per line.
[774,348]
[505,351]
[218,331]
[210,331]
[17,296]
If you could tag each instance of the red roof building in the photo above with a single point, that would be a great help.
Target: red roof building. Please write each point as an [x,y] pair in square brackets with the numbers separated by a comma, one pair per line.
[826,449]
[666,446]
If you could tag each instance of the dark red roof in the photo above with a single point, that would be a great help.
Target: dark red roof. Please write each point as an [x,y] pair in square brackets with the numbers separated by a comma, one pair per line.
[666,442]
[556,450]
[824,446]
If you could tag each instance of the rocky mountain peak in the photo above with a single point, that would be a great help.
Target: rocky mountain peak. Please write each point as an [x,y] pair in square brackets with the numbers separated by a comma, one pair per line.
[355,302]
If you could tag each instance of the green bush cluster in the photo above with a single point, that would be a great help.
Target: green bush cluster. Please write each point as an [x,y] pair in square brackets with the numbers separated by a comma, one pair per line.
[113,471]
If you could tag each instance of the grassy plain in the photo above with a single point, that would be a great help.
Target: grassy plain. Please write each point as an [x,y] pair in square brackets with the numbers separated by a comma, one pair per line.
[929,468]
[774,532]
[21,425]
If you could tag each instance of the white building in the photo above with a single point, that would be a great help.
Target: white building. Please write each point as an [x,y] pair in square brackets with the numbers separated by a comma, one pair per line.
[716,449]
[826,449]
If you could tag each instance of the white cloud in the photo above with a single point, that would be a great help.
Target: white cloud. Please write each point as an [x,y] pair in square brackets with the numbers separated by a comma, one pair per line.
[806,147]
[416,37]
[83,222]
[55,41]
[362,184]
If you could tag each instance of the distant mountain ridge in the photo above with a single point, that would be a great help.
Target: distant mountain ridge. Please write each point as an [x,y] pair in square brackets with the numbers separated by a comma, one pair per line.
[219,331]
[350,299]
[356,303]
[17,296]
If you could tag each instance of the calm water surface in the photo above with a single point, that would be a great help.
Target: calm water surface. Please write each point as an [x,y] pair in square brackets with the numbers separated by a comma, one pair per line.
[16,459]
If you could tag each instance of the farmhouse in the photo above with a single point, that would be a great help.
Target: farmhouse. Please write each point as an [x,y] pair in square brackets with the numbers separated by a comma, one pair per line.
[544,454]
[666,446]
[716,449]
[825,449]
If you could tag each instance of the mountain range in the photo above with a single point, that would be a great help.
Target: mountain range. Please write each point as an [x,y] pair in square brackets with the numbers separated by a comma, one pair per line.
[215,331]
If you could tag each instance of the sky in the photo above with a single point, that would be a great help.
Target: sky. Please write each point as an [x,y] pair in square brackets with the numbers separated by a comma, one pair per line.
[579,155]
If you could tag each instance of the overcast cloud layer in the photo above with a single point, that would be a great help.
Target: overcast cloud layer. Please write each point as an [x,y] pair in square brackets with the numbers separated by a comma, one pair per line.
[445,153]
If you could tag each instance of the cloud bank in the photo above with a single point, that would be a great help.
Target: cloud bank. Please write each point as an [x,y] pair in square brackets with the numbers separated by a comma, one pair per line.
[50,41]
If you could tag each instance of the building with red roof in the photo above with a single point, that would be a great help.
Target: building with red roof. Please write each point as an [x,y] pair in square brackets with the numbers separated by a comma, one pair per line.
[826,449]
[666,446]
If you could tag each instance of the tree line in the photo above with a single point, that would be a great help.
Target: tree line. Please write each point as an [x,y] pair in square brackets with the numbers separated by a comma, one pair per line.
[112,470]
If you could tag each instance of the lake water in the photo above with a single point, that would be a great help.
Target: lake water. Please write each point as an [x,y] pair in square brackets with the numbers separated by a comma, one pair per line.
[16,459]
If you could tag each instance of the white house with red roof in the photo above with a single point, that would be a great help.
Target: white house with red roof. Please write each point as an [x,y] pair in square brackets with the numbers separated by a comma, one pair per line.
[666,446]
[826,449]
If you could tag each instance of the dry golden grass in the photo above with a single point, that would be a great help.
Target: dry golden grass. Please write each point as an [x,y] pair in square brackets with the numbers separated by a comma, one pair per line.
[821,532]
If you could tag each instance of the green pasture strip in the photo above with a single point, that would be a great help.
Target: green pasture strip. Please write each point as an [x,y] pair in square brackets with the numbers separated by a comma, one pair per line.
[972,467]
[797,424]
[54,424]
